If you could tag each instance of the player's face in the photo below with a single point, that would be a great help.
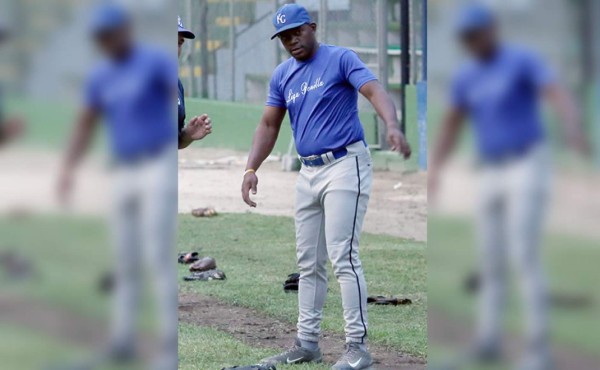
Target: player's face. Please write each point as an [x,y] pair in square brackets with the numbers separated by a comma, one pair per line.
[300,42]
[480,43]
[115,43]
[180,45]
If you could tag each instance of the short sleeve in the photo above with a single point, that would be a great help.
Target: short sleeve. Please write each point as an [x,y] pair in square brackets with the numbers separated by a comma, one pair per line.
[458,98]
[275,97]
[537,71]
[92,97]
[354,70]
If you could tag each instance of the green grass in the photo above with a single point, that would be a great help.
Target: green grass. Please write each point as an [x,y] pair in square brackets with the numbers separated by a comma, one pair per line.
[234,125]
[205,349]
[258,252]
[571,264]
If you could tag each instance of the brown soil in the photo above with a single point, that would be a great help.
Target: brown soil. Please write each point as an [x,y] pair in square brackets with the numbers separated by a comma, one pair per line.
[259,330]
[212,177]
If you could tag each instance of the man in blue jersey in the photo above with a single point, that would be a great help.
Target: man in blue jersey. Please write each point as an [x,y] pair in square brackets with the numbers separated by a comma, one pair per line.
[500,89]
[132,91]
[319,89]
[200,126]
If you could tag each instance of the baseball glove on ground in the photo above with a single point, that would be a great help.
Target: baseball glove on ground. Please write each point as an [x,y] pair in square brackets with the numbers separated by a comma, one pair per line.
[206,276]
[291,284]
[204,264]
[388,301]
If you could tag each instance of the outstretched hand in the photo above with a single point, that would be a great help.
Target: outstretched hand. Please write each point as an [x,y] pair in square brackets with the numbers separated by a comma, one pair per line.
[397,142]
[249,184]
[199,127]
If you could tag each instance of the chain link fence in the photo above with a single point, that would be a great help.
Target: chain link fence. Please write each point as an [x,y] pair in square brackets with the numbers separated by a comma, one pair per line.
[233,57]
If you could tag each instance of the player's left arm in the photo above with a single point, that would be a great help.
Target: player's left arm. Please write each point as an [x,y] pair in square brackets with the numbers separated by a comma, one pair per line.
[566,108]
[384,106]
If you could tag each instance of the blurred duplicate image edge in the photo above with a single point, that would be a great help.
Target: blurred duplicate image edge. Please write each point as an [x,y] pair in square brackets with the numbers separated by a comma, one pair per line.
[496,71]
[347,147]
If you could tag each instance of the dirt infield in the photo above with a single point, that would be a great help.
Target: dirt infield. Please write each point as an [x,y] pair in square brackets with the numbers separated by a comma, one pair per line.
[209,177]
[258,330]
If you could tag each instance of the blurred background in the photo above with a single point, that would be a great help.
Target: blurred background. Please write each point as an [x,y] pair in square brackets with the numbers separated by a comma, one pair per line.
[233,57]
[566,35]
[56,264]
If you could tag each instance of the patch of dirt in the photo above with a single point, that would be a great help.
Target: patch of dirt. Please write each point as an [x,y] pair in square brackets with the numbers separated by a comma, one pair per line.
[447,332]
[212,177]
[574,206]
[258,330]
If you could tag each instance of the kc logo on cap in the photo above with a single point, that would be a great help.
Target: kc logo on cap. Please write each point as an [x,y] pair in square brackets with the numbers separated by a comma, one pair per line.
[290,16]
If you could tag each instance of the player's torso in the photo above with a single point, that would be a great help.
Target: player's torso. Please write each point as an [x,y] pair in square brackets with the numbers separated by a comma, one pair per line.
[321,103]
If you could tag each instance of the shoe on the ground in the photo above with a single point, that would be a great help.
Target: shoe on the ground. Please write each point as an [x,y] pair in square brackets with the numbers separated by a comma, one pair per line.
[294,355]
[354,359]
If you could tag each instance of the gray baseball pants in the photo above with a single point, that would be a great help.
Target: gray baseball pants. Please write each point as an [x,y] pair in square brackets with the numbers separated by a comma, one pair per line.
[143,224]
[331,202]
[512,201]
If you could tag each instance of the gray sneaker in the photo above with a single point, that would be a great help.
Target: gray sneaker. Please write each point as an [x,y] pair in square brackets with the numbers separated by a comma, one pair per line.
[354,359]
[295,355]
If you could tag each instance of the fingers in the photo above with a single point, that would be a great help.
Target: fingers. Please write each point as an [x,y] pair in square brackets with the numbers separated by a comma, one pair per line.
[249,185]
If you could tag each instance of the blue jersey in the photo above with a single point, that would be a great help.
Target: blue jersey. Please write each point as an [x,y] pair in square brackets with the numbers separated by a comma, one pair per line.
[321,96]
[135,98]
[501,97]
[180,107]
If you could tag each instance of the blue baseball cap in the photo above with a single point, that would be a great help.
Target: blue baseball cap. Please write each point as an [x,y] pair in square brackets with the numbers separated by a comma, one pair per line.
[474,17]
[108,17]
[183,31]
[290,16]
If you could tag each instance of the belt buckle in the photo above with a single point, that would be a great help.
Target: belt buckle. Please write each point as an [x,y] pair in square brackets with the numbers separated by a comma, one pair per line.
[312,157]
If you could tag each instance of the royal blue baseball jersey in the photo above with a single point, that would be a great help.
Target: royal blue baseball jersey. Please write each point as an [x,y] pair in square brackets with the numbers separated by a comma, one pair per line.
[502,98]
[321,96]
[135,97]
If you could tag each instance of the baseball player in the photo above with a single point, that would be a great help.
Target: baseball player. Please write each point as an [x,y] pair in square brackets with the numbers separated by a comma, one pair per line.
[319,88]
[132,91]
[500,89]
[198,127]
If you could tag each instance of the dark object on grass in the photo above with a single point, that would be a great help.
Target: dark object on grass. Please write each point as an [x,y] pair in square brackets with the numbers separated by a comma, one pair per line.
[251,367]
[204,264]
[107,283]
[388,301]
[291,284]
[570,300]
[206,276]
[472,283]
[186,258]
[15,266]
[204,212]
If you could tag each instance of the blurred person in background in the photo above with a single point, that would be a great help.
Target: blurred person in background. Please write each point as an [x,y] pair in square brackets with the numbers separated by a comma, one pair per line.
[500,90]
[200,126]
[10,128]
[132,91]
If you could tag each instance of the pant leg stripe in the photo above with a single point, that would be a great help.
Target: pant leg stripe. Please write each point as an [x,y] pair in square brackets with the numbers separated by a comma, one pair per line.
[362,319]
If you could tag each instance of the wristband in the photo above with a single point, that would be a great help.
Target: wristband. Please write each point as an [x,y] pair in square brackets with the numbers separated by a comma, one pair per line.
[250,170]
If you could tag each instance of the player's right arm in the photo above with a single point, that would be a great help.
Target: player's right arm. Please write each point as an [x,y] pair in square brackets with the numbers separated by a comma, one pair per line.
[263,143]
[79,143]
[450,129]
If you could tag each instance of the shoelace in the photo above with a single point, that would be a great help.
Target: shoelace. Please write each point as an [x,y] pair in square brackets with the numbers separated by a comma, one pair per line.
[351,349]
